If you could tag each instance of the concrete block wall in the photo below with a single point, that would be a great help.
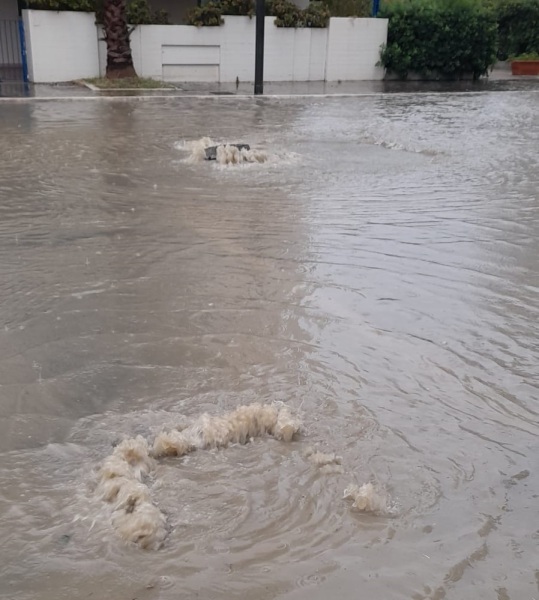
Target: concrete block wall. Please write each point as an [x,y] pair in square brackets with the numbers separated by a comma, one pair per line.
[294,54]
[180,53]
[237,37]
[354,49]
[65,46]
[184,53]
[60,46]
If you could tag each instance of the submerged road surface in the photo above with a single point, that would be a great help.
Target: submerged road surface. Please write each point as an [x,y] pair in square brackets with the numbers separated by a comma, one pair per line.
[379,273]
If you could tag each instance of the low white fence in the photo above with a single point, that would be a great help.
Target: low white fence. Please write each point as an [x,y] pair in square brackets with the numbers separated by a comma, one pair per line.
[67,45]
[60,46]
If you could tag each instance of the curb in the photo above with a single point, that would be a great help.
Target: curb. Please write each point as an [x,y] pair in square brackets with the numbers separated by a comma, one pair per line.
[217,98]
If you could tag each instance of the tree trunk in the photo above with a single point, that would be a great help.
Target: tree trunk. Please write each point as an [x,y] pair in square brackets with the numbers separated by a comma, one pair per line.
[119,59]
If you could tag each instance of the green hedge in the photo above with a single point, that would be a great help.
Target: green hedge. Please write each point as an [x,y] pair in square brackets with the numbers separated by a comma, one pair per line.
[209,15]
[73,5]
[139,12]
[440,39]
[349,8]
[287,14]
[245,8]
[518,27]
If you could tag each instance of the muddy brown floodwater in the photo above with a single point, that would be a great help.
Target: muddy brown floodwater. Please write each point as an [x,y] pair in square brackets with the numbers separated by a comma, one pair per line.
[379,273]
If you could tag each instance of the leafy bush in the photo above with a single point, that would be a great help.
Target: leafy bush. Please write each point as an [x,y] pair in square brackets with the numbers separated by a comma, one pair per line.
[287,14]
[237,7]
[349,8]
[440,39]
[518,27]
[139,12]
[69,5]
[526,56]
[160,17]
[317,14]
[208,15]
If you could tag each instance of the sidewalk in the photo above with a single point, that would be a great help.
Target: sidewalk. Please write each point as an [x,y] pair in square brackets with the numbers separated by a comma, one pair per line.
[499,80]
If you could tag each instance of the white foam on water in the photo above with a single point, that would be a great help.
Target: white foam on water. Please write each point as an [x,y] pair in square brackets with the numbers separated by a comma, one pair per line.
[144,525]
[236,427]
[232,155]
[121,483]
[227,154]
[196,149]
[368,498]
[328,463]
[123,475]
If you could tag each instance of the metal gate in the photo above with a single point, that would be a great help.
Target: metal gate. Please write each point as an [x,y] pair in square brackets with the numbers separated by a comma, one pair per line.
[12,54]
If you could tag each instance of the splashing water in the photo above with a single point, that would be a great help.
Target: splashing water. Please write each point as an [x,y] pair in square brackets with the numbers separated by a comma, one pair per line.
[226,154]
[236,427]
[231,155]
[327,462]
[367,498]
[196,149]
[122,478]
[121,482]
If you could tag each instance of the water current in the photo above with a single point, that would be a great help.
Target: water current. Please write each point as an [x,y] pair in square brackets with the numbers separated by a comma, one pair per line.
[378,274]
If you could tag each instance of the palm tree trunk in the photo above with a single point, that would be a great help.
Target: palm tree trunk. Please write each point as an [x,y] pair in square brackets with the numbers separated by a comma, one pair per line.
[119,59]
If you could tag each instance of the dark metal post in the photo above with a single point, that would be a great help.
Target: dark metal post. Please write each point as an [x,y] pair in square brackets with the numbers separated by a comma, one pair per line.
[24,57]
[259,45]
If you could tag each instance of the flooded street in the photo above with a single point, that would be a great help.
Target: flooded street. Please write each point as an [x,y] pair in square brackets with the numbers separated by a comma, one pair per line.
[379,275]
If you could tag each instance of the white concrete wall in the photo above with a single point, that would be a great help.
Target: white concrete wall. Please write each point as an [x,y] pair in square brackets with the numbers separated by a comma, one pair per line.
[238,49]
[348,50]
[294,54]
[354,49]
[61,46]
[177,52]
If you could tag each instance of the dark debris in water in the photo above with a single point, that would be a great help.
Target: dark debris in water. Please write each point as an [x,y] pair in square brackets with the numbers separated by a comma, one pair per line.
[211,151]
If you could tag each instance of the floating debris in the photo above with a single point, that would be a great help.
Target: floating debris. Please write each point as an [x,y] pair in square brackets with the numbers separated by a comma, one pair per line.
[211,151]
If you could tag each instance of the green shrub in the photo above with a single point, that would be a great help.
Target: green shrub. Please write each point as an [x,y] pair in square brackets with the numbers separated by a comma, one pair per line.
[526,56]
[237,7]
[349,8]
[69,5]
[440,39]
[518,27]
[287,14]
[160,17]
[139,12]
[316,15]
[208,15]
